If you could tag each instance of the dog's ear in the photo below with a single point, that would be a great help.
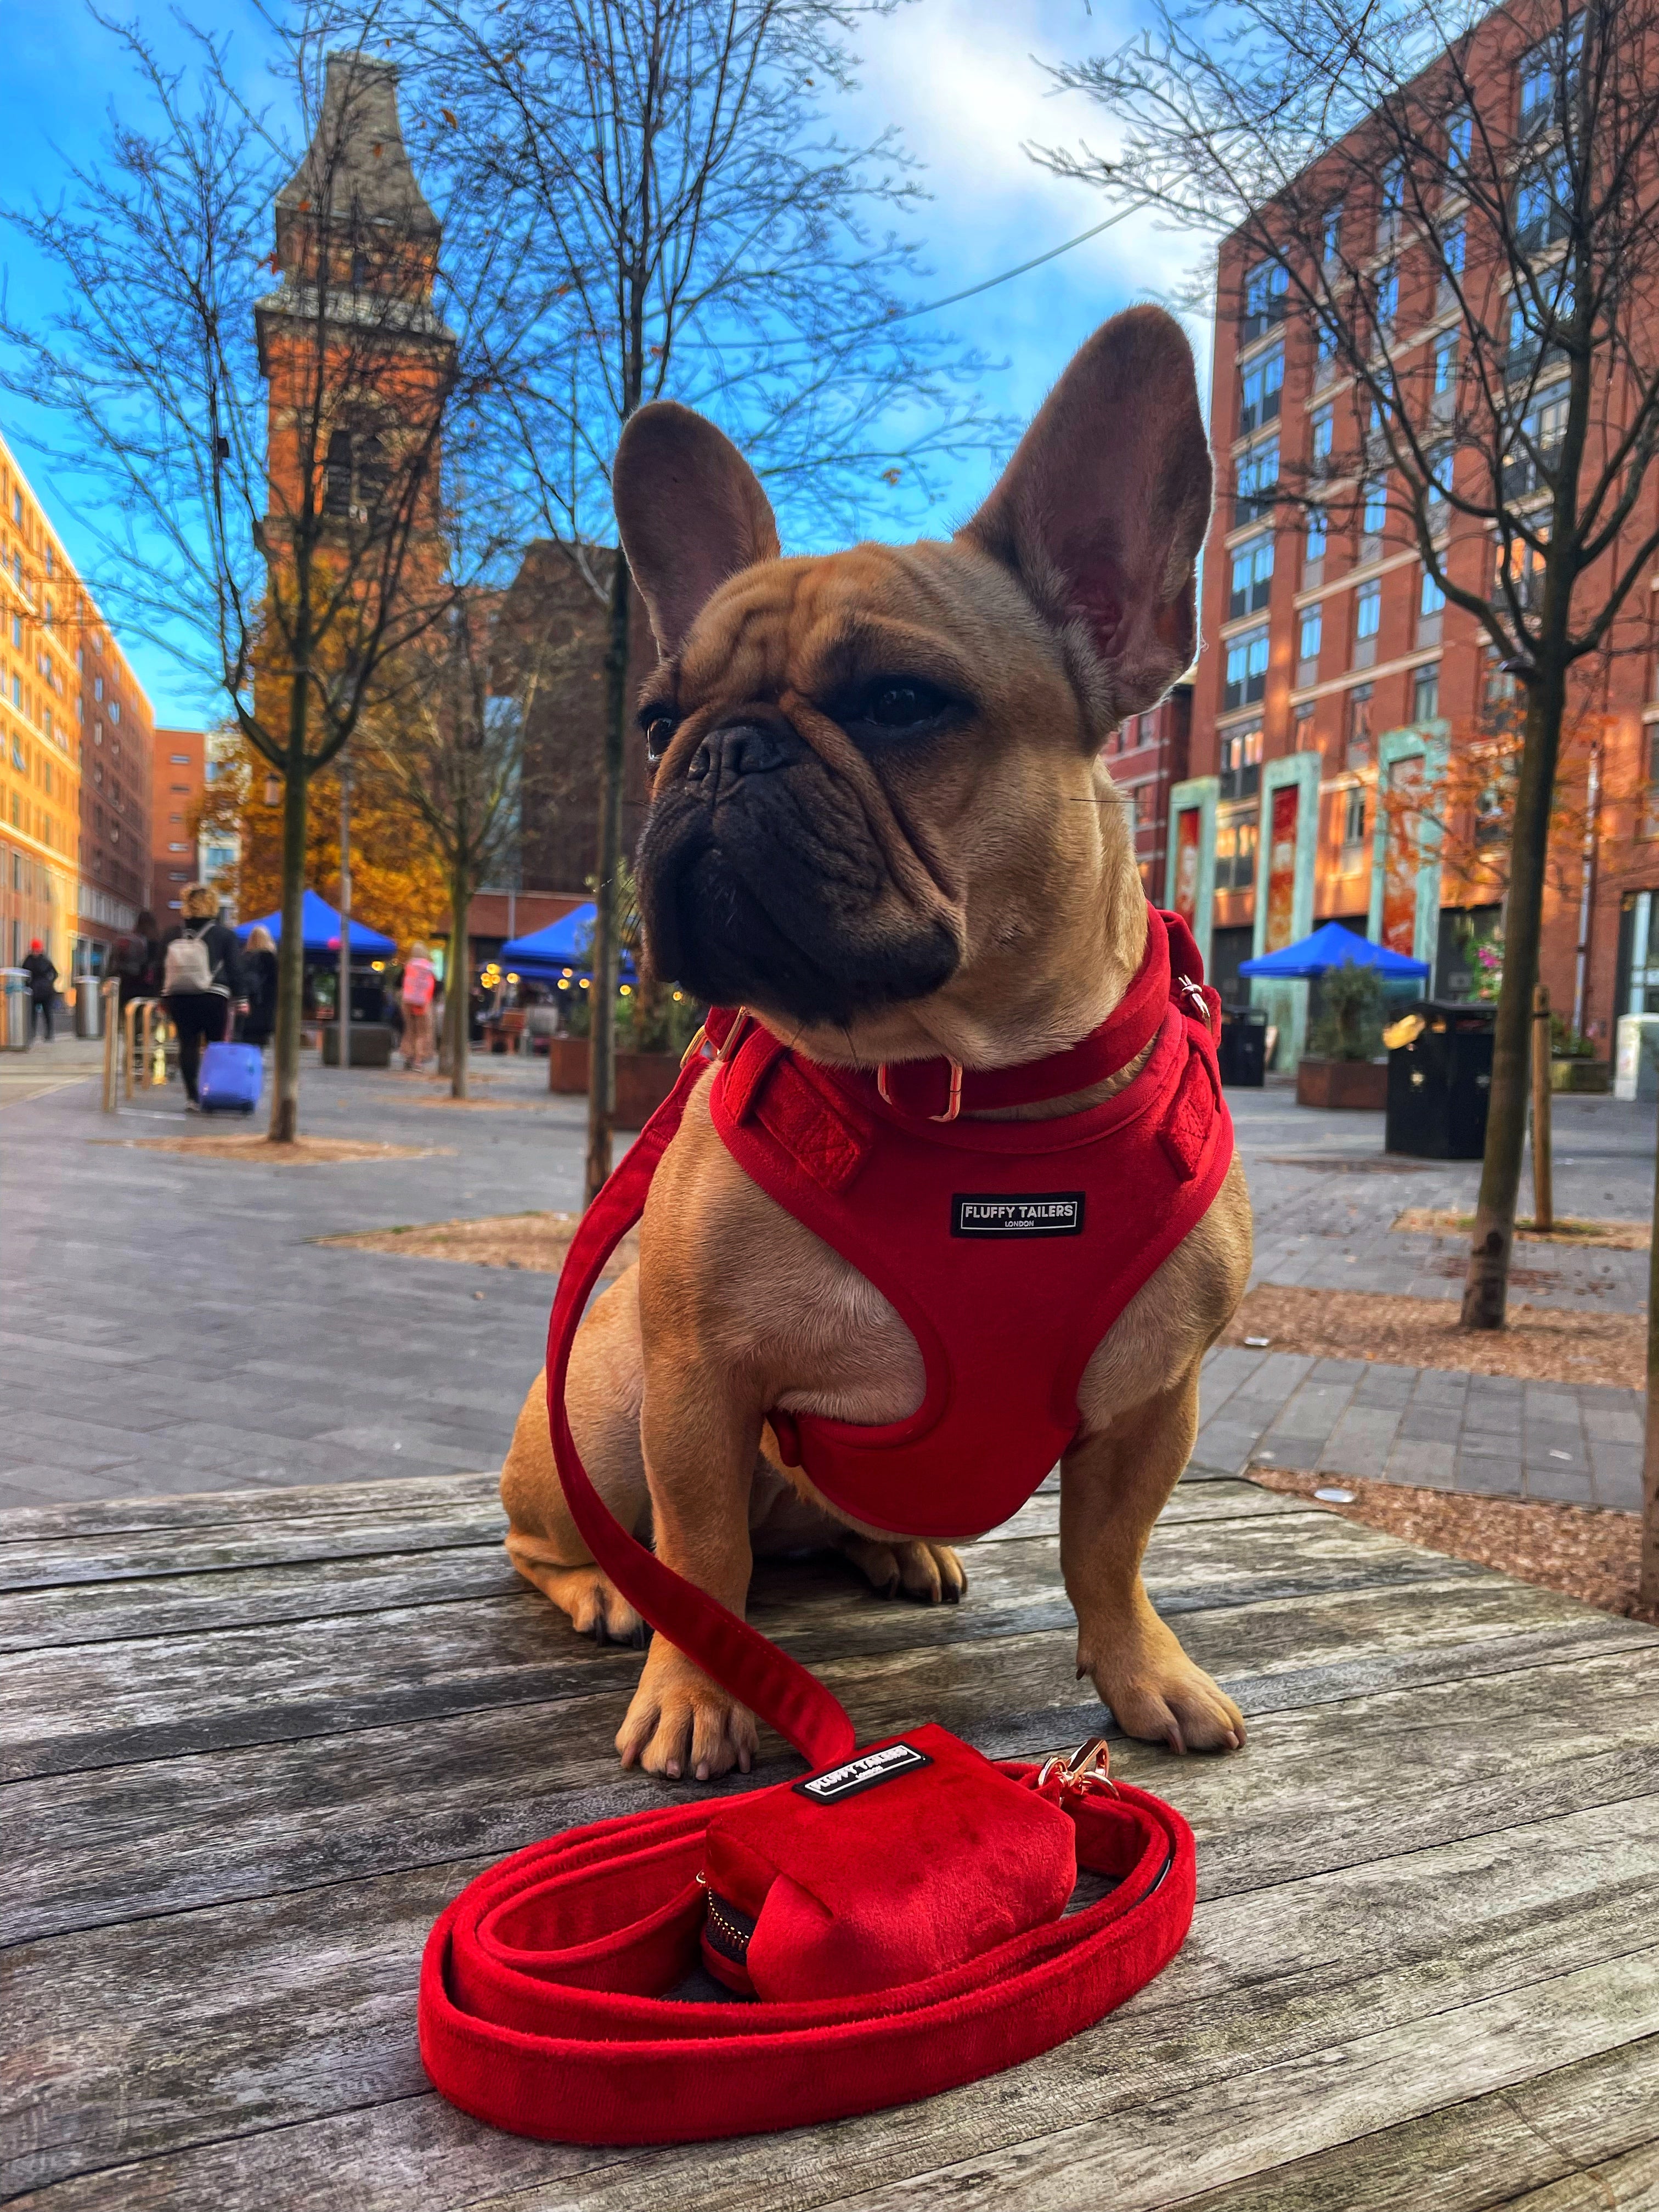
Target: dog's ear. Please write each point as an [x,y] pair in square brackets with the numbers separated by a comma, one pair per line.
[1102,511]
[691,514]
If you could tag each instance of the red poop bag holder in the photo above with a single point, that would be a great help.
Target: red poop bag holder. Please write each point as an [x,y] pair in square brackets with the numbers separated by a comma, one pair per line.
[895,1916]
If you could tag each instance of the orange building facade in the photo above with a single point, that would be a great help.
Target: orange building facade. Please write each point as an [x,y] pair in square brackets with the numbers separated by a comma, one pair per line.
[1340,706]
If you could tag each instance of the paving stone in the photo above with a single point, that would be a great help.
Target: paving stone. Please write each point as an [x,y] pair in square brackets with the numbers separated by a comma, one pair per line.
[1489,1475]
[1613,1425]
[1562,1486]
[1423,1465]
[1616,1476]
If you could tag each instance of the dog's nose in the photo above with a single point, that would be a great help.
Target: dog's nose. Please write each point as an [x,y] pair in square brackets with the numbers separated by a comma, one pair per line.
[740,749]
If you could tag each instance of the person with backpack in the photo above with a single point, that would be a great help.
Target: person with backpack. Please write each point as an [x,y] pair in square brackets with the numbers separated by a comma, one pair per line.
[420,988]
[42,972]
[201,980]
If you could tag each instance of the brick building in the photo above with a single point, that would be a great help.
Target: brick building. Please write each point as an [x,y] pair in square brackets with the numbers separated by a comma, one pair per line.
[1147,754]
[177,783]
[75,739]
[1333,680]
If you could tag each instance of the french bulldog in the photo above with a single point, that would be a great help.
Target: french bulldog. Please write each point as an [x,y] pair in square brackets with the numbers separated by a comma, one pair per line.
[881,820]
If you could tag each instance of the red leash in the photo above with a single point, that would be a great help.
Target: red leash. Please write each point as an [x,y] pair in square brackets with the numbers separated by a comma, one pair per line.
[543,1999]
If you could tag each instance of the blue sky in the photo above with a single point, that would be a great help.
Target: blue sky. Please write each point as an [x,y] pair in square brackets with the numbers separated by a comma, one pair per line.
[961,78]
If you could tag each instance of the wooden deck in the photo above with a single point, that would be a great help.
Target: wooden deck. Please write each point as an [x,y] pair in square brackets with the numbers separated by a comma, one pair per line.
[252,1746]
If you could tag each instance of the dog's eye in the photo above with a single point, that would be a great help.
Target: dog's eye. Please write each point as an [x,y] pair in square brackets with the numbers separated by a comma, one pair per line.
[901,702]
[659,727]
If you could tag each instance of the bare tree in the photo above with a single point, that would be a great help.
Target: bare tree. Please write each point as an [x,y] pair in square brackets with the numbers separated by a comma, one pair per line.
[681,224]
[261,433]
[1456,208]
[451,734]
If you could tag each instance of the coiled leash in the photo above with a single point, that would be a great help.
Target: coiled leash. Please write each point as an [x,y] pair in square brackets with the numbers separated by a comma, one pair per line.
[898,1913]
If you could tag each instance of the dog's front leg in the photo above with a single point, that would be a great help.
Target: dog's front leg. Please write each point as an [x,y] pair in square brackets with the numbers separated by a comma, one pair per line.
[1113,1485]
[701,1440]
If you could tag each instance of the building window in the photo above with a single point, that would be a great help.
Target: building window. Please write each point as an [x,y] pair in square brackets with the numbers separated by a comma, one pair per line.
[1333,235]
[1452,244]
[1549,73]
[1543,204]
[1445,362]
[1354,819]
[1313,552]
[1144,795]
[179,760]
[1305,736]
[1359,725]
[1460,138]
[1308,643]
[1373,506]
[1320,438]
[115,710]
[1241,761]
[1235,852]
[1430,604]
[97,687]
[1391,201]
[1326,340]
[1247,669]
[1257,480]
[1264,300]
[1523,573]
[1388,298]
[1529,464]
[1252,578]
[1367,621]
[1425,694]
[1259,390]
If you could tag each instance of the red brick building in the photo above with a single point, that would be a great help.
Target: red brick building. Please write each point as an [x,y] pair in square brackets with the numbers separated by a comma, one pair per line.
[1334,679]
[177,779]
[1146,755]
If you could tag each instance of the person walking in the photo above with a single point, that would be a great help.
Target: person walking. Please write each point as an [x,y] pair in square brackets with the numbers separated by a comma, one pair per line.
[420,988]
[259,983]
[42,972]
[201,980]
[137,962]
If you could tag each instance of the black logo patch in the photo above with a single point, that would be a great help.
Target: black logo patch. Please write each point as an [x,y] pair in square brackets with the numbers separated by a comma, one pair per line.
[862,1773]
[1044,1213]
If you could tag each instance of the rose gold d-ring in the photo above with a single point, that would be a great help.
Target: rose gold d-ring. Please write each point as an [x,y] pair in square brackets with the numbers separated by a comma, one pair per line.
[952,1111]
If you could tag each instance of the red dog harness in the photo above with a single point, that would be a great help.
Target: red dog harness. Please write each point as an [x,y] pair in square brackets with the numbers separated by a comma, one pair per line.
[1008,1248]
[909,1940]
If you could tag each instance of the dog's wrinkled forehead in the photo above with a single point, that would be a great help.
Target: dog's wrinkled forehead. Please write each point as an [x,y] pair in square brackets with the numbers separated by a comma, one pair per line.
[815,627]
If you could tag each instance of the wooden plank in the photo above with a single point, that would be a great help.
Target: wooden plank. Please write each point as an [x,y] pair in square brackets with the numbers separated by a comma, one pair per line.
[51,1562]
[1352,1999]
[1508,2149]
[92,1704]
[232,1509]
[107,1845]
[178,1595]
[432,1521]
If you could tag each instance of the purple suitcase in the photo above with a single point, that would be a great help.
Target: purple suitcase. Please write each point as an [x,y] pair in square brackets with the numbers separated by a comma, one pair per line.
[231,1078]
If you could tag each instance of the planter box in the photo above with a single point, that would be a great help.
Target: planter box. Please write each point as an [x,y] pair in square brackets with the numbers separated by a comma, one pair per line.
[1591,1076]
[1335,1084]
[644,1079]
[371,1045]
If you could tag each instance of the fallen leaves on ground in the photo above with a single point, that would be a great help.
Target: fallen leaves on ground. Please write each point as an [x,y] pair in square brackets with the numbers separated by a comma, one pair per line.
[1541,1343]
[537,1241]
[1583,1554]
[258,1150]
[1610,1235]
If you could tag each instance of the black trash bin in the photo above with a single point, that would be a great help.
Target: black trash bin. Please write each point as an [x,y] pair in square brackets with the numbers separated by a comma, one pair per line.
[1242,1052]
[1440,1082]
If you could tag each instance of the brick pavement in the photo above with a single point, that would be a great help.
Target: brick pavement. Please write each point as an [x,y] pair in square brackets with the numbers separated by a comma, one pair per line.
[171,1325]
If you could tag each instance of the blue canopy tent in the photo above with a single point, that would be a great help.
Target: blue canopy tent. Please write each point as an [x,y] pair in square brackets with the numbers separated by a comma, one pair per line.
[1332,946]
[563,948]
[319,931]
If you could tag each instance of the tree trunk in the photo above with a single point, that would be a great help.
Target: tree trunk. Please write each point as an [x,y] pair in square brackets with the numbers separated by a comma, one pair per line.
[1485,1288]
[458,975]
[1647,1586]
[290,956]
[602,1050]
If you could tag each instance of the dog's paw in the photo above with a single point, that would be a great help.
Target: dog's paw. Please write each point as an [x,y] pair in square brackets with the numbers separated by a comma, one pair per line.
[1156,1693]
[680,1724]
[595,1606]
[930,1573]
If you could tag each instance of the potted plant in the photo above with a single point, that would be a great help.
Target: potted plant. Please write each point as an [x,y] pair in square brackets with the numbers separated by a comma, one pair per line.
[1573,1062]
[1343,1068]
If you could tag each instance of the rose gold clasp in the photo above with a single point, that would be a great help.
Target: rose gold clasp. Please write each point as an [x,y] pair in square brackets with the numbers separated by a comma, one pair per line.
[1086,1768]
[953,1109]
